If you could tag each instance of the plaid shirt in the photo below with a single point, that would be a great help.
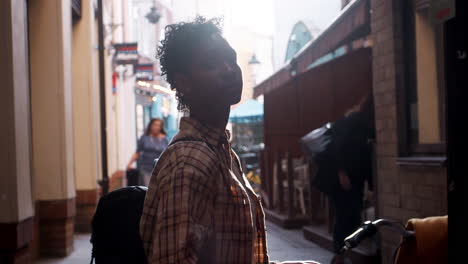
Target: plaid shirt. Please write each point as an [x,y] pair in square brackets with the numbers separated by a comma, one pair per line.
[196,209]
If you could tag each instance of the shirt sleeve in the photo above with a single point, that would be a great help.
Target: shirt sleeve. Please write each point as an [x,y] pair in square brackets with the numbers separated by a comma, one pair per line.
[185,216]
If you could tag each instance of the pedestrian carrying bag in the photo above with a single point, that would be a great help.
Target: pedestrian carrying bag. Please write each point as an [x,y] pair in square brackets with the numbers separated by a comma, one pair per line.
[318,148]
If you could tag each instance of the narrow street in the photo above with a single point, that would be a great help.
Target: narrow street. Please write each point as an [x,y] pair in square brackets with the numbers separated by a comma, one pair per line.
[282,245]
[81,254]
[339,112]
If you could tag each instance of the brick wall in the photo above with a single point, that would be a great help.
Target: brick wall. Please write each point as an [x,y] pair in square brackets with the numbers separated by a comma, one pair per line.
[404,192]
[56,227]
[86,202]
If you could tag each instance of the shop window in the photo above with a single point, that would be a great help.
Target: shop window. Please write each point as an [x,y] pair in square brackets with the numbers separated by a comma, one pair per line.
[425,89]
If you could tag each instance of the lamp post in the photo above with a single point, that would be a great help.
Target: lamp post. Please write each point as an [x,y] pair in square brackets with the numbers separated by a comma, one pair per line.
[254,64]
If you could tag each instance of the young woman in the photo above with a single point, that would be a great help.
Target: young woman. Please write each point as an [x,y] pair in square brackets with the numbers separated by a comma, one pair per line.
[150,146]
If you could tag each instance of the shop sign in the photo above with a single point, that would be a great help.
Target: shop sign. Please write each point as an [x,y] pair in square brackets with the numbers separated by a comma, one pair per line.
[144,72]
[442,10]
[126,53]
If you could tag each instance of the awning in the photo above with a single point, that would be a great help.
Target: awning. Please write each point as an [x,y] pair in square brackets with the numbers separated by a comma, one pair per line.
[248,112]
[353,20]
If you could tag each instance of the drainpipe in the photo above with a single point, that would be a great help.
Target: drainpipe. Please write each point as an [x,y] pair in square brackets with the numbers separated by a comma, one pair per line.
[104,183]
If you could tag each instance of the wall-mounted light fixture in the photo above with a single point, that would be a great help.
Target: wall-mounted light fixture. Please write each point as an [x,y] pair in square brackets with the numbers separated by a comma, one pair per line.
[154,15]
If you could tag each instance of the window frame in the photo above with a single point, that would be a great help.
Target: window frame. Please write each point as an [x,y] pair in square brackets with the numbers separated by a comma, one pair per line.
[407,146]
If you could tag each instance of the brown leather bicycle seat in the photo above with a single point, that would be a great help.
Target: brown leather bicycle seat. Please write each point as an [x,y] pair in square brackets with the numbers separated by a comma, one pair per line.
[430,245]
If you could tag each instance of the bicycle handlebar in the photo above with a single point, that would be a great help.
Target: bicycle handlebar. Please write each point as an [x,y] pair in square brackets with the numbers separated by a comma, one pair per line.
[369,229]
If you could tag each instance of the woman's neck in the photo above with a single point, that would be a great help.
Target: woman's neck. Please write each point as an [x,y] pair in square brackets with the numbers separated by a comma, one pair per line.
[155,135]
[217,119]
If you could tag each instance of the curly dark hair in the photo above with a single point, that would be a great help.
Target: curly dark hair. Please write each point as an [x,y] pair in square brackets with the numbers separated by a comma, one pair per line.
[178,45]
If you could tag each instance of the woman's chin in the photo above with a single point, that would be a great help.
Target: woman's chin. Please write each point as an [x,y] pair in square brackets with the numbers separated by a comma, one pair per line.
[236,99]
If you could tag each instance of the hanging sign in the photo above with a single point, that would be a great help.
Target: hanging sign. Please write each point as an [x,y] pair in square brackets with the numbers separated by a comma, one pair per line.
[442,10]
[126,53]
[114,83]
[144,72]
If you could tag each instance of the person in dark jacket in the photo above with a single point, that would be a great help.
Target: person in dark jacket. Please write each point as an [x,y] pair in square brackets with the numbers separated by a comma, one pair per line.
[352,137]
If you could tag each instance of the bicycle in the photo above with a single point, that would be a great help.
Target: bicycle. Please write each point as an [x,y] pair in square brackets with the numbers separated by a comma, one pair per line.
[369,229]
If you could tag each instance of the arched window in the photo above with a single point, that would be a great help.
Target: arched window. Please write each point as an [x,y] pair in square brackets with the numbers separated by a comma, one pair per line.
[300,35]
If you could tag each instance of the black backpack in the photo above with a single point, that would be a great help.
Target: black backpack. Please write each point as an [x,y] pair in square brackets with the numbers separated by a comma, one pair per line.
[116,224]
[318,147]
[115,227]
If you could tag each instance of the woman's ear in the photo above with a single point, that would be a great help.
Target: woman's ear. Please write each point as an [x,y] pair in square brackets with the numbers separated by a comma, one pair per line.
[182,83]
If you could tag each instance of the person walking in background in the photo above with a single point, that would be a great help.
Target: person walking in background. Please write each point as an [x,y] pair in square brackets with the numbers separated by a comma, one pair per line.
[351,137]
[149,148]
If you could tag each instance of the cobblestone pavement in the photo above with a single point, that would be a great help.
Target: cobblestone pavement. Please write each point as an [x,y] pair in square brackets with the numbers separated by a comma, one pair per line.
[282,245]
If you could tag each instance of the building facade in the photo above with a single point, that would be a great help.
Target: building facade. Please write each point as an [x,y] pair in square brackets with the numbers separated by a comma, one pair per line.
[409,86]
[407,46]
[51,153]
[48,139]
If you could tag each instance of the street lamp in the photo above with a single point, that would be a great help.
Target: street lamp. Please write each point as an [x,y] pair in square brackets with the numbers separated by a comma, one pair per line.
[254,63]
[154,15]
[254,60]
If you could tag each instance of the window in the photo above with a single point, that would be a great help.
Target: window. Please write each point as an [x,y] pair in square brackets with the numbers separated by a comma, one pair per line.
[140,122]
[299,37]
[425,89]
[344,3]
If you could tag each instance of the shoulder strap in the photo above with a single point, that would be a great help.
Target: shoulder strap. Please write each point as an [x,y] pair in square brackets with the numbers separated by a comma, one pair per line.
[179,140]
[192,139]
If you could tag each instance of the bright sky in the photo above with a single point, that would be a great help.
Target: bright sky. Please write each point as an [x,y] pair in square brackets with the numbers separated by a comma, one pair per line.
[257,15]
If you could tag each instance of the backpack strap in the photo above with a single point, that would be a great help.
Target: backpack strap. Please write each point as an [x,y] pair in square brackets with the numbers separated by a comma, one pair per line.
[185,139]
[192,139]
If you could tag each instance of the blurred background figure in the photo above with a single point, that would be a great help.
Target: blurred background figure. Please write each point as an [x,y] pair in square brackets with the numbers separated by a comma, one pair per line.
[351,139]
[149,148]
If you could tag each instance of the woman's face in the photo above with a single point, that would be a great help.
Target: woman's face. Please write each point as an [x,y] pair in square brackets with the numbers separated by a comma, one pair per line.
[156,127]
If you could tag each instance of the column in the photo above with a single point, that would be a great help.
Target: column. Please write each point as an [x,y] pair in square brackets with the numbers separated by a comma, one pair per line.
[16,206]
[86,126]
[52,128]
